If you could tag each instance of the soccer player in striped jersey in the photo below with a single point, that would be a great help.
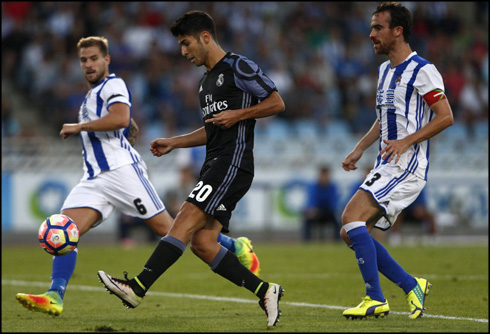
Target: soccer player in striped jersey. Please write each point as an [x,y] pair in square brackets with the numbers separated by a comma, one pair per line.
[115,175]
[411,107]
[229,94]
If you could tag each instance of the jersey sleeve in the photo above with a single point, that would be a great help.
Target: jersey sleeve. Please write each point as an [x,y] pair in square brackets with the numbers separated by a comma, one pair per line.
[250,78]
[115,91]
[428,79]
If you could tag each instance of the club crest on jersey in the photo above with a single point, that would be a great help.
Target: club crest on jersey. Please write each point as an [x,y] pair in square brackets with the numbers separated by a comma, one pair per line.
[398,81]
[221,80]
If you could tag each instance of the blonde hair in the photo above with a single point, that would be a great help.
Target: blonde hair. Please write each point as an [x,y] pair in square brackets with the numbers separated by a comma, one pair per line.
[98,41]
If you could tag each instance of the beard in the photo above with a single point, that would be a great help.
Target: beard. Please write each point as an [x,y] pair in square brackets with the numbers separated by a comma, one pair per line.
[96,80]
[384,49]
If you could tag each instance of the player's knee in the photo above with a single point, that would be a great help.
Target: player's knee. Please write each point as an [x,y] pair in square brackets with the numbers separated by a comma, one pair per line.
[199,248]
[161,223]
[347,216]
[344,236]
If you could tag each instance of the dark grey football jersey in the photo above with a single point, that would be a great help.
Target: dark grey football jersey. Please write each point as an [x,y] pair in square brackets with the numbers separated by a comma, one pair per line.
[235,82]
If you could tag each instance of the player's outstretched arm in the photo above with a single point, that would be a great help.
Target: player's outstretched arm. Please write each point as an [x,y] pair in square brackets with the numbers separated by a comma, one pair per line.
[270,106]
[117,118]
[353,157]
[161,146]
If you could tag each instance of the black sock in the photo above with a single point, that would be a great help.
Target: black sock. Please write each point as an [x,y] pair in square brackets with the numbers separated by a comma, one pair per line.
[230,268]
[167,252]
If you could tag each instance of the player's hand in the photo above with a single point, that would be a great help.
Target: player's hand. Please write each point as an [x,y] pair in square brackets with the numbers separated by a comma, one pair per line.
[161,146]
[351,159]
[392,148]
[225,119]
[69,129]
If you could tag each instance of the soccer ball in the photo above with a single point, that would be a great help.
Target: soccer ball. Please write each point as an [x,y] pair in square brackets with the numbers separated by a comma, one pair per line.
[58,235]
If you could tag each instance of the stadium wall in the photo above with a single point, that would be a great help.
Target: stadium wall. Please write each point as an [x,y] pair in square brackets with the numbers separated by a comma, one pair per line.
[274,201]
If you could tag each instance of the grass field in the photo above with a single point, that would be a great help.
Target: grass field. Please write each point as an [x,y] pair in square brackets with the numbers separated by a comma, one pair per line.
[320,281]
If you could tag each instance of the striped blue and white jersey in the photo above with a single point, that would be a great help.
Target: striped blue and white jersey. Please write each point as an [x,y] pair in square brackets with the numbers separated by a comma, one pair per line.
[402,110]
[105,150]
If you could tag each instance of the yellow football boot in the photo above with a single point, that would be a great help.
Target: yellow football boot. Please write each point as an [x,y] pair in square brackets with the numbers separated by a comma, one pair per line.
[368,308]
[416,298]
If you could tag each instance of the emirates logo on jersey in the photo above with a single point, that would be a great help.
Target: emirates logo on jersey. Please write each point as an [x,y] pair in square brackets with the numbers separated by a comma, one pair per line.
[221,80]
[213,106]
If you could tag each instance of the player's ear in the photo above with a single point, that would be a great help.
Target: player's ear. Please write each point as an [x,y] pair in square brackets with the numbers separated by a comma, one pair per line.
[205,37]
[398,31]
[107,59]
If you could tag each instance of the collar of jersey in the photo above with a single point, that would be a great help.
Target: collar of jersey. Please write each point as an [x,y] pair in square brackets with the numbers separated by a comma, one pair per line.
[414,53]
[105,79]
[220,61]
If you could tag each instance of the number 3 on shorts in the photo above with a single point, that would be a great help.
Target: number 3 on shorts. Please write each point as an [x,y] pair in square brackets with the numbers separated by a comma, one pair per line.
[376,176]
[201,192]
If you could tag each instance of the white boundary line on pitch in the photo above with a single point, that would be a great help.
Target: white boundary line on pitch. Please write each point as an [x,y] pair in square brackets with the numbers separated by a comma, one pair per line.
[223,299]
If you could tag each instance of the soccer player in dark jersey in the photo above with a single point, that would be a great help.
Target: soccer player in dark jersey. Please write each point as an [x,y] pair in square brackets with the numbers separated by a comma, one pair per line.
[233,93]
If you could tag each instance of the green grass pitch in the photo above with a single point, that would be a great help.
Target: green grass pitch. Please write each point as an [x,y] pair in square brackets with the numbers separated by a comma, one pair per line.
[320,281]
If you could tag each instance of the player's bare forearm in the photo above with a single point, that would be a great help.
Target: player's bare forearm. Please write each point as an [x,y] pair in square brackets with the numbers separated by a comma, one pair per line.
[162,146]
[268,107]
[117,118]
[195,138]
[369,138]
[442,120]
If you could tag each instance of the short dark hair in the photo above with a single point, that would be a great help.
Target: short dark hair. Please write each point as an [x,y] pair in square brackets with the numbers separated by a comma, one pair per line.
[400,16]
[99,41]
[193,23]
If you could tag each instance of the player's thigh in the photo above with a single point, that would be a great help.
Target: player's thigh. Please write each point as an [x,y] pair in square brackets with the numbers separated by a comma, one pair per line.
[129,189]
[85,218]
[393,189]
[219,189]
[361,207]
[160,223]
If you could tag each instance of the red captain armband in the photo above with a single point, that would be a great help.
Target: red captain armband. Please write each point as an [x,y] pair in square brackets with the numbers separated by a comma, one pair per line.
[434,96]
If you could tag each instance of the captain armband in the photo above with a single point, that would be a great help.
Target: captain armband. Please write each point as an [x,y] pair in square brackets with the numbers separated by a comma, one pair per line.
[434,96]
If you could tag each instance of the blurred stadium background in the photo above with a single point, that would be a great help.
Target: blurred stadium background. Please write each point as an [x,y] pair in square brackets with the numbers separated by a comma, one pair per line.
[318,54]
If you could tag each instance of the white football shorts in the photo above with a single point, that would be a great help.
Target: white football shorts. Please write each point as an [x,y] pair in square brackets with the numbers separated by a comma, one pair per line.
[393,188]
[126,188]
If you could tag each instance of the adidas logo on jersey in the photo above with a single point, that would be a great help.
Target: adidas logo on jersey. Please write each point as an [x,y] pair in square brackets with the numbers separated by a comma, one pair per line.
[221,208]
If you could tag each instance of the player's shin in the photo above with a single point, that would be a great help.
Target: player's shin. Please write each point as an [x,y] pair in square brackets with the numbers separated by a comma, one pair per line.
[167,252]
[63,267]
[366,258]
[227,265]
[392,270]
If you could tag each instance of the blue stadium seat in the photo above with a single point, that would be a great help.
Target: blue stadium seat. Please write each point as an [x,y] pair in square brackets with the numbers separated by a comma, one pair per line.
[457,131]
[481,130]
[278,129]
[337,127]
[306,128]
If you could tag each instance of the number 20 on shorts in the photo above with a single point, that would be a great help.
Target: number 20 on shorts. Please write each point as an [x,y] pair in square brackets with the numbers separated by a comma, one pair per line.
[201,191]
